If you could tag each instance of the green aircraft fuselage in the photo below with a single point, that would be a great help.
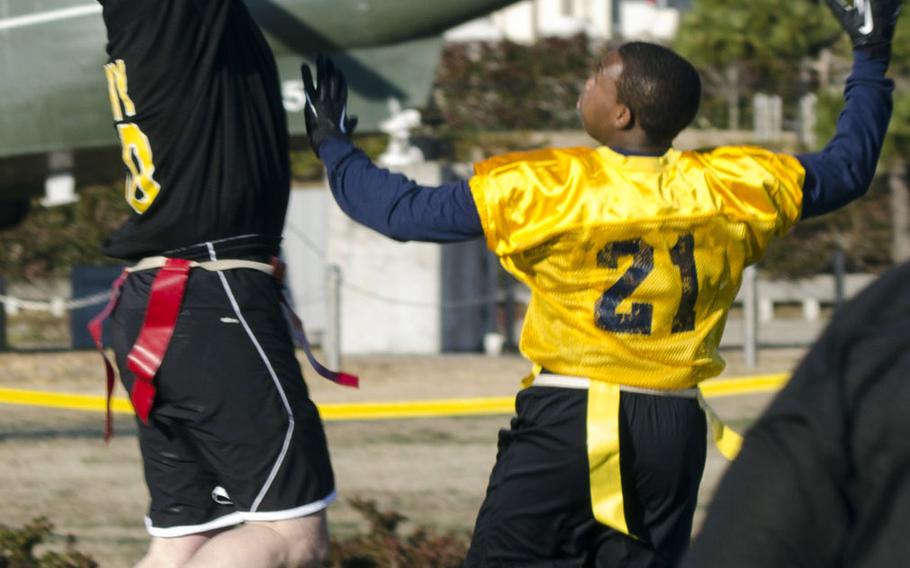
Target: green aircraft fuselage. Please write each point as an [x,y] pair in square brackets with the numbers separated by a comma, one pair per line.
[53,93]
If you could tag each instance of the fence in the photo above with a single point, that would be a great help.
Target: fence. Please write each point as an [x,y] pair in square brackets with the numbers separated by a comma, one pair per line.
[501,306]
[468,308]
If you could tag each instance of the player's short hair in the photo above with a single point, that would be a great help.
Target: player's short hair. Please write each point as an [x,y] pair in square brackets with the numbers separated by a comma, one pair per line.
[660,87]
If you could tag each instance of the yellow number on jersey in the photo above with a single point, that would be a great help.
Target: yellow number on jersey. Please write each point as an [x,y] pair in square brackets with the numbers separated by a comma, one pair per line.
[117,90]
[639,319]
[141,187]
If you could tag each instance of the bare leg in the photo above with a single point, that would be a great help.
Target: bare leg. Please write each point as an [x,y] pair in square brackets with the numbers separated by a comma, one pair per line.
[173,552]
[295,543]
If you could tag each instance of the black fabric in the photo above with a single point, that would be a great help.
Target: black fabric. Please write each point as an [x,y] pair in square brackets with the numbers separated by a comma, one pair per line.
[824,476]
[538,511]
[251,247]
[219,418]
[207,96]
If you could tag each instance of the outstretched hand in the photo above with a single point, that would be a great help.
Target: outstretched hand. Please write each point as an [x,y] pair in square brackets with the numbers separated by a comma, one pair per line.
[327,101]
[870,23]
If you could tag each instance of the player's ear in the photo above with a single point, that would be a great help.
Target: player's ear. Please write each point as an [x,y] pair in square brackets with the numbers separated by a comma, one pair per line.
[622,117]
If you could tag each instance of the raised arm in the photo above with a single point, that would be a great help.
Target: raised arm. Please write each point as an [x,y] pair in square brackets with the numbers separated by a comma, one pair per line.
[397,206]
[388,203]
[844,169]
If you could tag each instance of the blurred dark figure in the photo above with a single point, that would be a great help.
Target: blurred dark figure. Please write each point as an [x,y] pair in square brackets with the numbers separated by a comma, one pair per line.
[823,479]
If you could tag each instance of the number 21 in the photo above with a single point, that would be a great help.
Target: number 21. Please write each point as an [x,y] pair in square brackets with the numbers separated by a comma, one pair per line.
[639,319]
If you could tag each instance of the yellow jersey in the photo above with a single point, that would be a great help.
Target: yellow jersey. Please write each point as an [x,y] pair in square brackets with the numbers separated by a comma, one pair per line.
[633,262]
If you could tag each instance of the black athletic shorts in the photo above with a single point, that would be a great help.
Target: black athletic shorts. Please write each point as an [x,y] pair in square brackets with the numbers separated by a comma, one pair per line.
[233,435]
[538,511]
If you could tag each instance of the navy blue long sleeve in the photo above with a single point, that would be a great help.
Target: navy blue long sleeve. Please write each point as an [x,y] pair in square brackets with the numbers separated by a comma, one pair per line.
[844,169]
[397,206]
[401,209]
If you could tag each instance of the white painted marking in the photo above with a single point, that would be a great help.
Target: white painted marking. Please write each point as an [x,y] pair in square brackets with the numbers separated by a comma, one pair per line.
[47,17]
[230,320]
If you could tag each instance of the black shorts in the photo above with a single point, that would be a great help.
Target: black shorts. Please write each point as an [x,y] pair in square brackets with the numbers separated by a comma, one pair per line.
[538,510]
[233,435]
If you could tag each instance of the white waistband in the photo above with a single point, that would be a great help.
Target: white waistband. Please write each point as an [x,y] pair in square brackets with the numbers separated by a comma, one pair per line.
[582,383]
[154,262]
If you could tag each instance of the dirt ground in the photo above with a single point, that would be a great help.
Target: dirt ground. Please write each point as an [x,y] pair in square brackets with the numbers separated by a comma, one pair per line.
[434,471]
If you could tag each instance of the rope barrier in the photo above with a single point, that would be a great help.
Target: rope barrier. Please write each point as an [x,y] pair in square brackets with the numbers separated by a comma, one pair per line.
[56,306]
[452,305]
[482,300]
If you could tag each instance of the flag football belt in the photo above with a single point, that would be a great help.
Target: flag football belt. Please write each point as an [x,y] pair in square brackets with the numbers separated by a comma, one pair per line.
[165,299]
[603,438]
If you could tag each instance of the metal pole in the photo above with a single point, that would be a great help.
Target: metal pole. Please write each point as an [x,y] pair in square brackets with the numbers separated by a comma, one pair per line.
[491,290]
[510,314]
[750,317]
[3,345]
[332,341]
[840,270]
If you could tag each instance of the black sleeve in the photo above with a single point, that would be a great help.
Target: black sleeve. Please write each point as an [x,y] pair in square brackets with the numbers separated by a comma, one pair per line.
[178,32]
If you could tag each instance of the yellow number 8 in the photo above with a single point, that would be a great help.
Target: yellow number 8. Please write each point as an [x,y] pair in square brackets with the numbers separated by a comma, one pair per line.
[141,187]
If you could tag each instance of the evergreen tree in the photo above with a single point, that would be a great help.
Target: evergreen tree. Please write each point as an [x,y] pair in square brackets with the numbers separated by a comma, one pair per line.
[745,47]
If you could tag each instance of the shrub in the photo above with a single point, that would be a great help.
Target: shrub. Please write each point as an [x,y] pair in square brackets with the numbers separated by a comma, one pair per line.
[17,548]
[384,547]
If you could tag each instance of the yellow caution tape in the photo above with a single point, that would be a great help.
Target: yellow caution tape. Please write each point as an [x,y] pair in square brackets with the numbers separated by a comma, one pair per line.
[381,410]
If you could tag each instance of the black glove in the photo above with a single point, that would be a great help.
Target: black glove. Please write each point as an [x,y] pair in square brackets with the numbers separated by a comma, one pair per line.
[870,23]
[326,108]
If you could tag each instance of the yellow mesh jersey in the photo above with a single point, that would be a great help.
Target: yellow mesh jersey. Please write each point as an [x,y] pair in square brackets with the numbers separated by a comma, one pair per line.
[633,262]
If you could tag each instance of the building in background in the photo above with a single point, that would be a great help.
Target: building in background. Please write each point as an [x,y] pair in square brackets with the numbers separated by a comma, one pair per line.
[528,21]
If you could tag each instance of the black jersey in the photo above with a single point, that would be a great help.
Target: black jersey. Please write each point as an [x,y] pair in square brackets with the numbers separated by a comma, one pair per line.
[197,106]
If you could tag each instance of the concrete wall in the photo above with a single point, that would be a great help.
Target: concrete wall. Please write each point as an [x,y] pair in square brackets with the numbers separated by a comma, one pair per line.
[304,248]
[391,292]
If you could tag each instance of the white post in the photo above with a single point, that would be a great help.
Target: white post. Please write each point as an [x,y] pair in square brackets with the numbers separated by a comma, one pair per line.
[808,106]
[750,319]
[760,116]
[332,341]
[811,309]
[765,310]
[60,185]
[776,116]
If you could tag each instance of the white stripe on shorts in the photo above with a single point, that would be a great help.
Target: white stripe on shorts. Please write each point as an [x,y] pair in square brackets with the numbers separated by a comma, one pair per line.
[295,513]
[240,517]
[228,520]
[268,364]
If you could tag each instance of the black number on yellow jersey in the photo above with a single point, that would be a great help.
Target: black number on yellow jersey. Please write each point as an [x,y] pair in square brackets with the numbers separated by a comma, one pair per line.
[683,256]
[639,319]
